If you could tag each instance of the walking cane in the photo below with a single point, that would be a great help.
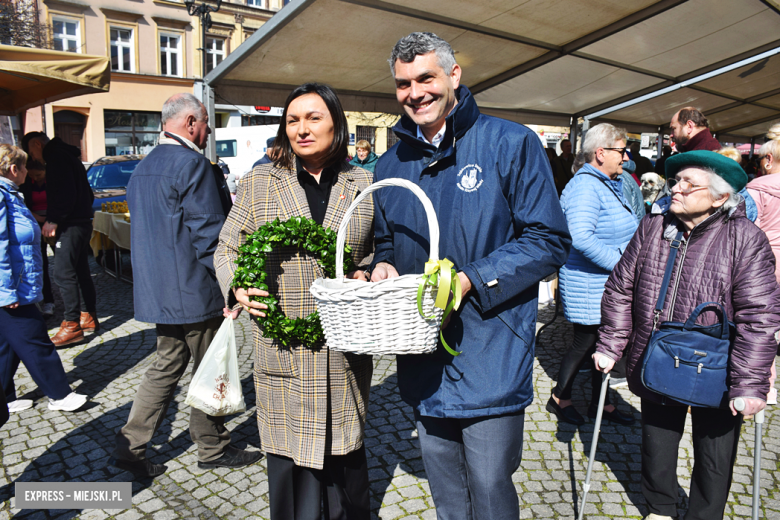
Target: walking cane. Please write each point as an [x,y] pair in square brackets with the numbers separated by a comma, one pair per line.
[739,405]
[603,362]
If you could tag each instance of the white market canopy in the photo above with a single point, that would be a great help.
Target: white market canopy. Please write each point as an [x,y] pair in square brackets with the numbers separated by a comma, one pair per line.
[532,61]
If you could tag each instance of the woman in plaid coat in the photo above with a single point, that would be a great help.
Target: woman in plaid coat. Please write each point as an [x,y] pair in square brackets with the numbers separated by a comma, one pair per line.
[311,402]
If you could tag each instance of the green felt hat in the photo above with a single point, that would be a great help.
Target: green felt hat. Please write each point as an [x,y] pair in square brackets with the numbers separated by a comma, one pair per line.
[728,169]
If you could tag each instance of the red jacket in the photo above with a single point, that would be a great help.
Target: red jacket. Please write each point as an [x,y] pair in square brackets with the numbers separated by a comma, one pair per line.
[725,259]
[701,141]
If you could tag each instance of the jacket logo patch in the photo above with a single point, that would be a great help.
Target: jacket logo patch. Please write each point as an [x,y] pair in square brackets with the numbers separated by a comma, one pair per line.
[469,178]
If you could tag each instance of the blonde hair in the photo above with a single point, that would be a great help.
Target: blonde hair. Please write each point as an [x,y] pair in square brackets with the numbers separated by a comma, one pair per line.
[731,153]
[364,145]
[11,155]
[773,145]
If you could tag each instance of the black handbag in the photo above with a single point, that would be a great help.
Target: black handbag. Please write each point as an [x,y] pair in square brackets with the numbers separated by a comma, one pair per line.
[684,361]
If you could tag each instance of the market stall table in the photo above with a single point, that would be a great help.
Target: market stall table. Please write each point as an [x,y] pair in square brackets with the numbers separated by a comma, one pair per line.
[111,231]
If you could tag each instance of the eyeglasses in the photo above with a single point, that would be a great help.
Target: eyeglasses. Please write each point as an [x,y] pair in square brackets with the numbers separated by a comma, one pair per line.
[621,150]
[686,187]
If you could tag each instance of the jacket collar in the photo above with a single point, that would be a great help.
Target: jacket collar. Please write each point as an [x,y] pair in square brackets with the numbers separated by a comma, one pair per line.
[701,141]
[294,203]
[674,225]
[176,139]
[459,121]
[9,185]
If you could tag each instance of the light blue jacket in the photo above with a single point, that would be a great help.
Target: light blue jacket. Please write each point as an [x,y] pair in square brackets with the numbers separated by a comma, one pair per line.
[21,264]
[601,223]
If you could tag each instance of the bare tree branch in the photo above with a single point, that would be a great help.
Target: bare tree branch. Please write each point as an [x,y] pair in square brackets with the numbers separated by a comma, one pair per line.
[20,25]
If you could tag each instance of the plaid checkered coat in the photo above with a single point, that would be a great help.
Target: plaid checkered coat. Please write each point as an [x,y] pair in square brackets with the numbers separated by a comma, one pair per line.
[311,402]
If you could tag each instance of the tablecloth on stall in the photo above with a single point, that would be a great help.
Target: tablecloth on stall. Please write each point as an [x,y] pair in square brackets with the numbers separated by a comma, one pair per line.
[109,229]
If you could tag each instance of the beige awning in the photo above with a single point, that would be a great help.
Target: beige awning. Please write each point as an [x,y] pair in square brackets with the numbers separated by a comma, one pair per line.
[532,61]
[32,77]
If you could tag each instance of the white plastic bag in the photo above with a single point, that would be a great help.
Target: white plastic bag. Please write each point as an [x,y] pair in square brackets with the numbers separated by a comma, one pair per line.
[216,386]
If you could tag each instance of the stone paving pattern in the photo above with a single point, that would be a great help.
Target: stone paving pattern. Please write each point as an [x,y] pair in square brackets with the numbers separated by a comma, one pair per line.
[41,445]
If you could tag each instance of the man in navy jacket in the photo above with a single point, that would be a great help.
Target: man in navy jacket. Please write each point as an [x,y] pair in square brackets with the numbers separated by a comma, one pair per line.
[502,226]
[178,205]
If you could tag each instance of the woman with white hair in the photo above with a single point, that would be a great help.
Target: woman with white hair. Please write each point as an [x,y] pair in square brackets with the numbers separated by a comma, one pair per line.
[721,257]
[601,222]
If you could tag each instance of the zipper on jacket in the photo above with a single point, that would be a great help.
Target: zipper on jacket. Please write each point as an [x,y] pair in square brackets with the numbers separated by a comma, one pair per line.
[677,281]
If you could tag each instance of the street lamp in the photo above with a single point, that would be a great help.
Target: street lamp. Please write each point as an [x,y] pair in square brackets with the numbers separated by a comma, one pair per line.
[204,12]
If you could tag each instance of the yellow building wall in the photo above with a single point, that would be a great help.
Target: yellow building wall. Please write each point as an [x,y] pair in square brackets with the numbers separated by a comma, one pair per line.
[129,92]
[381,121]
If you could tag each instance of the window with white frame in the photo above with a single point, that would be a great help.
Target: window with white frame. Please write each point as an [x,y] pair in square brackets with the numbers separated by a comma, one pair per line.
[170,55]
[66,34]
[122,49]
[257,3]
[215,52]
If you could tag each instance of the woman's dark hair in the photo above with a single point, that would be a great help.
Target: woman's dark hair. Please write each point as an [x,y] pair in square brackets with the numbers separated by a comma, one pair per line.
[338,149]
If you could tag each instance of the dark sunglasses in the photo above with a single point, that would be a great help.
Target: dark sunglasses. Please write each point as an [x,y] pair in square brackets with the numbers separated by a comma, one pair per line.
[621,150]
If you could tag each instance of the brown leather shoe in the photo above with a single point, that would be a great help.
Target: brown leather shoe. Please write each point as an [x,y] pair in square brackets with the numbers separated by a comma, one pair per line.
[70,332]
[89,321]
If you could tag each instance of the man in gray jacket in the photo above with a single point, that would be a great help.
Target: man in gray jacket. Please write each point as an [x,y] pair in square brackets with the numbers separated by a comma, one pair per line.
[178,206]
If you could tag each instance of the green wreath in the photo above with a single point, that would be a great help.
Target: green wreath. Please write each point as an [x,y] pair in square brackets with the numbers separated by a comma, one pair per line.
[298,232]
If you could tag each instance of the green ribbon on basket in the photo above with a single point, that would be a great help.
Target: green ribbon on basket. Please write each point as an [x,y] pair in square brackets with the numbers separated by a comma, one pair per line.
[441,274]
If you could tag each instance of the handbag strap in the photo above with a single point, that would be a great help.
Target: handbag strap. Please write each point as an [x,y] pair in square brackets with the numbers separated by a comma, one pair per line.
[673,248]
[625,207]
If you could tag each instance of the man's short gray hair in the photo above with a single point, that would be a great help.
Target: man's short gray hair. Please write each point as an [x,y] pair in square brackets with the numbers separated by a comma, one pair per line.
[604,135]
[419,43]
[182,103]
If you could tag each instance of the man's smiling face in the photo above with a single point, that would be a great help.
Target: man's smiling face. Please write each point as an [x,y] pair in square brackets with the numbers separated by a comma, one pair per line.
[426,92]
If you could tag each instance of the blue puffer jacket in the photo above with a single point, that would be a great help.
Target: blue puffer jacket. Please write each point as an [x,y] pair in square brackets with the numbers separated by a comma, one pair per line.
[21,265]
[501,224]
[601,224]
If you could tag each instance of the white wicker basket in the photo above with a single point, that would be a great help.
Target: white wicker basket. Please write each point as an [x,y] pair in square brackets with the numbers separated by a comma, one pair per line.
[379,317]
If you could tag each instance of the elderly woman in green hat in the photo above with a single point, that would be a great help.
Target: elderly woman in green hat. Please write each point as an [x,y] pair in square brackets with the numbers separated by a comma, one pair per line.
[724,258]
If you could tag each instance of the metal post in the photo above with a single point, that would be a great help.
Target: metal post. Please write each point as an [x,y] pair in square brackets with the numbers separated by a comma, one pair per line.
[208,100]
[660,145]
[585,128]
[573,134]
[204,12]
[752,145]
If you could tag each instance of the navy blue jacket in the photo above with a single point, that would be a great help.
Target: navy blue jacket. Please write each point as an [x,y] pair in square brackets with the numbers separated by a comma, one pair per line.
[177,215]
[501,224]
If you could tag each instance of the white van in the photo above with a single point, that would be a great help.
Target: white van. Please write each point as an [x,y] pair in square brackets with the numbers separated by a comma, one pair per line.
[240,147]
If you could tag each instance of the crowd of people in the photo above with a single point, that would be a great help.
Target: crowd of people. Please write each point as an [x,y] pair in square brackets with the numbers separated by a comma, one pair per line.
[507,221]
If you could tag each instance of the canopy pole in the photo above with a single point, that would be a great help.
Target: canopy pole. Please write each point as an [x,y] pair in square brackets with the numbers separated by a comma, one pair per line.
[573,134]
[585,128]
[752,145]
[208,100]
[659,147]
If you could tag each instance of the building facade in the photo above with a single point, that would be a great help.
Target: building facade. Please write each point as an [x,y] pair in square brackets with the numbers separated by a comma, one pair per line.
[154,47]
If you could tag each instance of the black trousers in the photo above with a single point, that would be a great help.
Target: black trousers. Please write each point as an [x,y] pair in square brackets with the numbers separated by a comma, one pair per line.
[715,438]
[71,271]
[340,488]
[48,296]
[582,347]
[23,338]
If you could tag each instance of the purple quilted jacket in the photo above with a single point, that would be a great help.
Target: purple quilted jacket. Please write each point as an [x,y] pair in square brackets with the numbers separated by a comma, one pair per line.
[725,259]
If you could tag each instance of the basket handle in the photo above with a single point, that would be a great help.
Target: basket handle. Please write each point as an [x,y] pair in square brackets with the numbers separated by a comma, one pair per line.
[433,224]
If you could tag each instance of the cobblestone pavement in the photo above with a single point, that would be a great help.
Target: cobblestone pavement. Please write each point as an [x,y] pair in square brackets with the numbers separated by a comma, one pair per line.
[39,444]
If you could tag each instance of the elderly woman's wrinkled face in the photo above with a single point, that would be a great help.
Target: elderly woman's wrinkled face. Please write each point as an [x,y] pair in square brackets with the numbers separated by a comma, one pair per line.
[690,195]
[362,153]
[309,127]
